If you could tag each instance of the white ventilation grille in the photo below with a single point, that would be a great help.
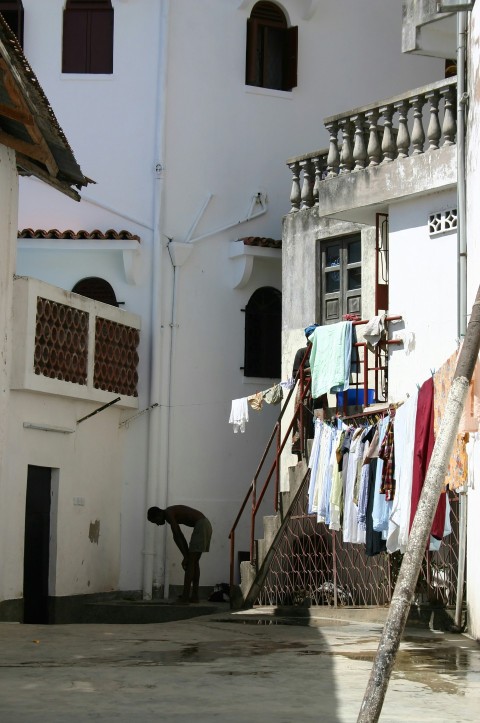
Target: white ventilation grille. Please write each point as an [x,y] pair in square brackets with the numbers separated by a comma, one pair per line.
[442,222]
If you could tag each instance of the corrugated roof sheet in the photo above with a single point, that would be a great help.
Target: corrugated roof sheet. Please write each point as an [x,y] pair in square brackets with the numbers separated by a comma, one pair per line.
[262,241]
[28,123]
[95,235]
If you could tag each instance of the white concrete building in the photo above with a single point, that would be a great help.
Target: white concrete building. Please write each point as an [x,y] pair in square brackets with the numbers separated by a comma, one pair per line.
[188,158]
[414,178]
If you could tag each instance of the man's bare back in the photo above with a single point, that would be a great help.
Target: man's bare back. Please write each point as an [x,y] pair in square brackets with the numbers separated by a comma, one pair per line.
[183,515]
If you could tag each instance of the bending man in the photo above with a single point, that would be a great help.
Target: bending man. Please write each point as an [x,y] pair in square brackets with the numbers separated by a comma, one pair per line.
[199,542]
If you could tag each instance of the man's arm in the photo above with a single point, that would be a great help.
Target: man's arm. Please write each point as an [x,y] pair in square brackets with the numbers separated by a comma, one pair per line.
[178,536]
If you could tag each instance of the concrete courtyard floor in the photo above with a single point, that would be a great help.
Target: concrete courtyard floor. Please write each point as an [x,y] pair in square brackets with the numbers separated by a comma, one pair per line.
[241,667]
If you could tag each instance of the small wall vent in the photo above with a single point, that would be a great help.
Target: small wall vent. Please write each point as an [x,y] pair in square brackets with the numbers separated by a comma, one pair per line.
[442,222]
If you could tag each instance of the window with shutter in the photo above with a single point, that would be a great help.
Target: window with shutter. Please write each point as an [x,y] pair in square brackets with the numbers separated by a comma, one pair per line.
[88,37]
[341,278]
[272,49]
[12,11]
[263,330]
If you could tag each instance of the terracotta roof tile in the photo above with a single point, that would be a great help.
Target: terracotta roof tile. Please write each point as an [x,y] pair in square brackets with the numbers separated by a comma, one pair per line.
[261,241]
[95,235]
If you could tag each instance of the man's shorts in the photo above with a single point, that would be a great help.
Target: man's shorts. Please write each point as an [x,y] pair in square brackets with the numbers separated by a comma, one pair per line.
[201,535]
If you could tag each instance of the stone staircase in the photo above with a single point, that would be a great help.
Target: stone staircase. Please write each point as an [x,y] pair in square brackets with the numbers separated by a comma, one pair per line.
[252,574]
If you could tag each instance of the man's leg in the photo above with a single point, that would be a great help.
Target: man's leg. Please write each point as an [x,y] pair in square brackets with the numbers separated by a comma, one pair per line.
[192,575]
[196,576]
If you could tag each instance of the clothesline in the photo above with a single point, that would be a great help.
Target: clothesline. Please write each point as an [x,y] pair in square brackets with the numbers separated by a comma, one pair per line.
[272,395]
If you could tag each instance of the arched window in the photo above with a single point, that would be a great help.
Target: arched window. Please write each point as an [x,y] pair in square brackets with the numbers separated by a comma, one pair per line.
[272,48]
[12,11]
[87,37]
[263,334]
[96,289]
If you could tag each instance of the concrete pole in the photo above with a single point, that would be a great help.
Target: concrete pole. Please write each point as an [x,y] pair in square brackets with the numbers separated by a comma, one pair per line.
[412,561]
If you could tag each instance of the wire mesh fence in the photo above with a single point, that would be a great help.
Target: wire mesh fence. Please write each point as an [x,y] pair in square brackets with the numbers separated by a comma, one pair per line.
[312,563]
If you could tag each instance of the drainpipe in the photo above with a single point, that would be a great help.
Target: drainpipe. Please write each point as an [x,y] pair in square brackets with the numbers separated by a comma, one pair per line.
[462,277]
[461,195]
[156,430]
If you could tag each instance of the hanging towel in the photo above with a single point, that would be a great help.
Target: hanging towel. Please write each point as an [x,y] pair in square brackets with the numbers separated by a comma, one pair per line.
[239,414]
[330,358]
[374,331]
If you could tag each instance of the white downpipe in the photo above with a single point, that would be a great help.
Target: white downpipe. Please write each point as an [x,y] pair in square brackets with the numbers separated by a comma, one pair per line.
[461,182]
[462,276]
[156,431]
[167,416]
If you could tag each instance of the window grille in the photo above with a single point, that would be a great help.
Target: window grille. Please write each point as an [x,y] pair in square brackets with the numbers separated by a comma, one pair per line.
[442,222]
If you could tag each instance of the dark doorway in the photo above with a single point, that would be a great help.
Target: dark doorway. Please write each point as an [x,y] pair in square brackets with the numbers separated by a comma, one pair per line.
[37,545]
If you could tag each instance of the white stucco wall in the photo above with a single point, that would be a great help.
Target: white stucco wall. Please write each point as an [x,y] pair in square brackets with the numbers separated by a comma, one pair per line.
[8,223]
[222,138]
[473,224]
[79,563]
[423,289]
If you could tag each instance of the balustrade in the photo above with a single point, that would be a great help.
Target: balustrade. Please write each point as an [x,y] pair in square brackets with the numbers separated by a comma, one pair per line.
[377,135]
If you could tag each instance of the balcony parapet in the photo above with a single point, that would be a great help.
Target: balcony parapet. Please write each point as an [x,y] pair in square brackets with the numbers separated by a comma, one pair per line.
[407,125]
[68,345]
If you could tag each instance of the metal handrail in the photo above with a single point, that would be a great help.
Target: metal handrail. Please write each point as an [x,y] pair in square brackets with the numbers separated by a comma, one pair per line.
[252,489]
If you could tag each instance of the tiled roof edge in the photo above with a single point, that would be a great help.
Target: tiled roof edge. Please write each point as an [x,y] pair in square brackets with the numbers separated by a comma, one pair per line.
[95,235]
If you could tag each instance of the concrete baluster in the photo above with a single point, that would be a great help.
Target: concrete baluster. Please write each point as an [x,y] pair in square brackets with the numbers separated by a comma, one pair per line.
[307,186]
[295,194]
[389,148]
[418,134]
[346,155]
[333,158]
[449,128]
[374,149]
[434,131]
[403,135]
[359,148]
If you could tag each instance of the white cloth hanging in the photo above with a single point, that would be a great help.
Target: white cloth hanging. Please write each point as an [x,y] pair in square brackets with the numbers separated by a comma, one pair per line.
[239,414]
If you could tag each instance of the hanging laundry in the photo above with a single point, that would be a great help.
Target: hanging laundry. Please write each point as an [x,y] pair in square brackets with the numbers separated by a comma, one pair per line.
[274,395]
[387,453]
[375,331]
[239,414]
[442,381]
[404,441]
[330,358]
[351,530]
[424,442]
[256,401]
[381,507]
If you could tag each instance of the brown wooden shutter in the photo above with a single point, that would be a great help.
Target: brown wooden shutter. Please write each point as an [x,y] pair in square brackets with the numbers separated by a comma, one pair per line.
[101,41]
[12,11]
[251,72]
[291,58]
[75,34]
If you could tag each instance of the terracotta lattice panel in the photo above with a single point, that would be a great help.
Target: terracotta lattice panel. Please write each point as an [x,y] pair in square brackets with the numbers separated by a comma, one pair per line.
[116,357]
[61,342]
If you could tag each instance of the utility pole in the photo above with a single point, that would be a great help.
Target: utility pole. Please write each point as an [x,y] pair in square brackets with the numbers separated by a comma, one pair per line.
[412,561]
